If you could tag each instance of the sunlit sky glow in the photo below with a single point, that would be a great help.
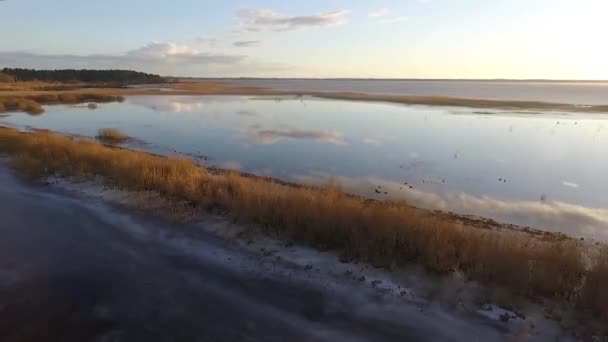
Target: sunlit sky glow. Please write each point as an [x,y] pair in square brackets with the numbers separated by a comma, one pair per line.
[523,39]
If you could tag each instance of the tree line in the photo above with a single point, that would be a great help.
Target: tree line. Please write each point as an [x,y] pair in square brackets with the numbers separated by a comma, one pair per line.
[84,75]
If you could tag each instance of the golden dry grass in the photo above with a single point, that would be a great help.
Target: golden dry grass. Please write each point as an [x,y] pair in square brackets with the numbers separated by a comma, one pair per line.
[35,86]
[73,97]
[111,136]
[4,78]
[31,86]
[33,103]
[20,104]
[383,233]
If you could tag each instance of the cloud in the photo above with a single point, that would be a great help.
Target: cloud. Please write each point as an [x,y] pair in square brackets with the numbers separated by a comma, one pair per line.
[163,50]
[570,184]
[152,53]
[166,58]
[247,43]
[255,20]
[272,136]
[172,52]
[383,12]
[392,20]
[207,41]
[384,16]
[200,105]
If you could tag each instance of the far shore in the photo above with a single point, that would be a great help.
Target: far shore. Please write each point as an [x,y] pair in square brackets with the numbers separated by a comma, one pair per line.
[218,88]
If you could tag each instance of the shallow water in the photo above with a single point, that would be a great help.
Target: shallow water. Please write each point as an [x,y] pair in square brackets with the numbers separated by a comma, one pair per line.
[546,170]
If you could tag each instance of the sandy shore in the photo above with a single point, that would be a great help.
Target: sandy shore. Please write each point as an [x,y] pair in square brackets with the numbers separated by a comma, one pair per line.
[210,88]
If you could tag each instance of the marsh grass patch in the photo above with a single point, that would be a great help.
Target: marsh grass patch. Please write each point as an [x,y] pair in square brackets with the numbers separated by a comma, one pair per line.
[112,136]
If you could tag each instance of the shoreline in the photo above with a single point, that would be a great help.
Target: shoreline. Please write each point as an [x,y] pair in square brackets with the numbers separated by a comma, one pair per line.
[219,88]
[470,220]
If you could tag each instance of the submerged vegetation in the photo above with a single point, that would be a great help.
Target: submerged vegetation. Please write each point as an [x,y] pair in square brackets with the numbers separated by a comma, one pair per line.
[33,103]
[388,234]
[112,136]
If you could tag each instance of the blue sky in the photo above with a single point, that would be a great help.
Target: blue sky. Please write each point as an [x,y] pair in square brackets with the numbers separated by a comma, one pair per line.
[558,39]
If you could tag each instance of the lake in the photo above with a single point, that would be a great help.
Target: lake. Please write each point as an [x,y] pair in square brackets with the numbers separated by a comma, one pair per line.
[545,170]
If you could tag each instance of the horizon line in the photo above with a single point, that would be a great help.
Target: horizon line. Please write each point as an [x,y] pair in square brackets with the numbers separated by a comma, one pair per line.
[547,80]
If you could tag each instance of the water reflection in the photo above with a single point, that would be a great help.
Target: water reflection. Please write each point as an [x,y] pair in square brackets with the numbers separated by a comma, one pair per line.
[181,104]
[549,215]
[545,170]
[272,136]
[229,165]
[372,141]
[246,113]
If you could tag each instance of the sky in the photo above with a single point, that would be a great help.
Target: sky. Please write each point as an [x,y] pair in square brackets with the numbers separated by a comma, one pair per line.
[514,39]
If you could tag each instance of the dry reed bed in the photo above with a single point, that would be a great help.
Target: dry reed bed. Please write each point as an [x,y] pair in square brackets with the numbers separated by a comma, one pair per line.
[33,103]
[383,233]
[112,136]
[21,104]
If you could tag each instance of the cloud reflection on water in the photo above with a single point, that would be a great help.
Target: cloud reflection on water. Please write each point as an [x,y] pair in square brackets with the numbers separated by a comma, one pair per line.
[181,103]
[273,136]
[556,216]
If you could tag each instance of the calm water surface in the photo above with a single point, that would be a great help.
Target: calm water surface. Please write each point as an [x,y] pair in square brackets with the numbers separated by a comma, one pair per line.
[547,170]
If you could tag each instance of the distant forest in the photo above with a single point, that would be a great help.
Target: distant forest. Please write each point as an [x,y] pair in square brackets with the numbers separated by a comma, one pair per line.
[84,75]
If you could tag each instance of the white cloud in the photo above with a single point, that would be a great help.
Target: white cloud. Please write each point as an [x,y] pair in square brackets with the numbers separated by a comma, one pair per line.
[166,58]
[254,20]
[247,43]
[392,20]
[207,41]
[158,50]
[385,16]
[272,136]
[570,184]
[383,12]
[152,53]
